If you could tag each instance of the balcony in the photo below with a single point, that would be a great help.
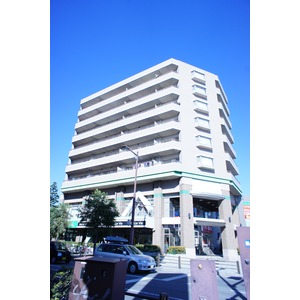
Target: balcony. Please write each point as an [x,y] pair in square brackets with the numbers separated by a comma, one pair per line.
[203,143]
[229,149]
[164,171]
[226,131]
[128,95]
[135,136]
[202,124]
[198,77]
[223,103]
[201,107]
[205,162]
[127,84]
[125,124]
[231,165]
[225,118]
[110,160]
[199,91]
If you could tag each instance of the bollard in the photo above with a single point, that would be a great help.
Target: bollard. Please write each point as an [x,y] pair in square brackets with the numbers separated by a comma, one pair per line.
[238,267]
[158,260]
[203,280]
[179,262]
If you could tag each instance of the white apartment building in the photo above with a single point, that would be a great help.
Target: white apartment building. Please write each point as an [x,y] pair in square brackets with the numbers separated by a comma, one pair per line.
[175,116]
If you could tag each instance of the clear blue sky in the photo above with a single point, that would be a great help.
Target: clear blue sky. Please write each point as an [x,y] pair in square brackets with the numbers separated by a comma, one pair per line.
[94,44]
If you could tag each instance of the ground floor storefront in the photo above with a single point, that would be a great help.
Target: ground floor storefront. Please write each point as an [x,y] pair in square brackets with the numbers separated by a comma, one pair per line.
[200,216]
[207,239]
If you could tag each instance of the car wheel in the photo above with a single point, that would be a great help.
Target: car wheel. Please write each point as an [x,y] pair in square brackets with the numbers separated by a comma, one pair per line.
[132,268]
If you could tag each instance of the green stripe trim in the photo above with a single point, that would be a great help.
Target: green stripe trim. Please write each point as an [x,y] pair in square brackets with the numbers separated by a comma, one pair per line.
[184,192]
[158,195]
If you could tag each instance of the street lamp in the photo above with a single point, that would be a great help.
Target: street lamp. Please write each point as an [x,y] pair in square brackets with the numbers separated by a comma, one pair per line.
[131,239]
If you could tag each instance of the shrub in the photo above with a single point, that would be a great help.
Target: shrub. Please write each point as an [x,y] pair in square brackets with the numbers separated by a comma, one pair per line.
[60,284]
[176,250]
[148,248]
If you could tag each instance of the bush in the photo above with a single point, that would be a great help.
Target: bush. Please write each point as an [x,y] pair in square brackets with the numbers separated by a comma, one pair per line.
[176,250]
[60,284]
[148,248]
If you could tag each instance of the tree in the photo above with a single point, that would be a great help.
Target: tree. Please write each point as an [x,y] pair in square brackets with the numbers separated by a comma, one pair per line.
[98,214]
[53,194]
[59,220]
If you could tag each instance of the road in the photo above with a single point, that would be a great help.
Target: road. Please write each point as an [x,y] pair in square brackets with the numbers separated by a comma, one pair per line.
[176,284]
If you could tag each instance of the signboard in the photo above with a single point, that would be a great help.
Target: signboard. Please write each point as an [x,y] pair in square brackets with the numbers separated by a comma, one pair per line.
[207,229]
[247,213]
[73,224]
[128,223]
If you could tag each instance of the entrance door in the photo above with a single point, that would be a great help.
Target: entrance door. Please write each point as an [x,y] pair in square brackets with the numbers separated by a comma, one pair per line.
[167,239]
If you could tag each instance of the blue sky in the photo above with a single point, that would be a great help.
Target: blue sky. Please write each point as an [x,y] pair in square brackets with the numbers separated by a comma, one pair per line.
[94,44]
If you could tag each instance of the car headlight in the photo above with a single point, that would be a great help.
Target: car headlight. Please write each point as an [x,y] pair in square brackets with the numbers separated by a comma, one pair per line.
[143,261]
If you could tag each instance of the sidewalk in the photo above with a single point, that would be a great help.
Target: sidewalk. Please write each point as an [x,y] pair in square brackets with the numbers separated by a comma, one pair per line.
[181,262]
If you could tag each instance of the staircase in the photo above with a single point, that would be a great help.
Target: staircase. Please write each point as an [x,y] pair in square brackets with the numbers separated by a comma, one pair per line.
[223,267]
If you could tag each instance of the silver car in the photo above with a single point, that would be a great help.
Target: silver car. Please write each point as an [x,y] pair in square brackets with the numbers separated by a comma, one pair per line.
[117,247]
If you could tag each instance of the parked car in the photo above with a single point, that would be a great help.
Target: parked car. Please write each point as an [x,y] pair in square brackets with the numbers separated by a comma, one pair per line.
[59,252]
[118,247]
[151,250]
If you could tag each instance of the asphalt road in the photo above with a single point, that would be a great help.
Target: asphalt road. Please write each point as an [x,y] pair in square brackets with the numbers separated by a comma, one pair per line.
[178,286]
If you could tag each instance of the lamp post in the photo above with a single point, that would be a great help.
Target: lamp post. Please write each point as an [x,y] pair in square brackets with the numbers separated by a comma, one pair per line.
[131,239]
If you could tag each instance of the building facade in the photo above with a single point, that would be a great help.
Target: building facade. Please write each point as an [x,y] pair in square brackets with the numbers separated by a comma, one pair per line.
[176,118]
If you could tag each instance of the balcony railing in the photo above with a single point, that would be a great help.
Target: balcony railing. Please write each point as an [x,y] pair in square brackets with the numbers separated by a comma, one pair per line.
[128,132]
[119,169]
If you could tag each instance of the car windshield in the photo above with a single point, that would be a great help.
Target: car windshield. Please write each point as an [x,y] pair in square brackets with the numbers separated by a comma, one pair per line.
[134,250]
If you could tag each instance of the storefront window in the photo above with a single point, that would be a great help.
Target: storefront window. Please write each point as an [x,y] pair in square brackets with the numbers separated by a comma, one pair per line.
[174,207]
[202,209]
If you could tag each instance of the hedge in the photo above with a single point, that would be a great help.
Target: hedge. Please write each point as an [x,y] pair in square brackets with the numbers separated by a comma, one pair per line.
[148,248]
[176,250]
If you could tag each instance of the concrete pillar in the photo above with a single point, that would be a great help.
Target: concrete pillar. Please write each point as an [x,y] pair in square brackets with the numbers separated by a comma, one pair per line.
[229,242]
[120,202]
[187,219]
[158,236]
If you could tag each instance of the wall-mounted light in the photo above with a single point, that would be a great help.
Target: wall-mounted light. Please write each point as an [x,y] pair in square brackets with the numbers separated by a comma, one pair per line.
[189,215]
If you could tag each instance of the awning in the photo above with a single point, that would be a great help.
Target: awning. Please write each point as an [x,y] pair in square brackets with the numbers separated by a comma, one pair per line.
[210,222]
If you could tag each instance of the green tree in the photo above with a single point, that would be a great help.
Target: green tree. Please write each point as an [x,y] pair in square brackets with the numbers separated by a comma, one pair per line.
[59,220]
[53,194]
[98,214]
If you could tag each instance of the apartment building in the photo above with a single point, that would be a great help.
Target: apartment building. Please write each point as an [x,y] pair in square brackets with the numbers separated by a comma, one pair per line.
[175,118]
